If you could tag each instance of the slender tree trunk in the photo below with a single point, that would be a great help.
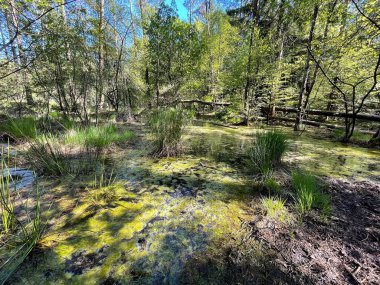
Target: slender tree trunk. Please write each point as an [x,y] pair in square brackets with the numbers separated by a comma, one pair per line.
[191,3]
[281,36]
[211,88]
[132,22]
[147,80]
[157,82]
[21,54]
[305,78]
[311,84]
[255,19]
[99,93]
[13,47]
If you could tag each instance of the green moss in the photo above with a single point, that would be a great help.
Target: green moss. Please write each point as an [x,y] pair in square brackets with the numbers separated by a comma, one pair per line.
[163,211]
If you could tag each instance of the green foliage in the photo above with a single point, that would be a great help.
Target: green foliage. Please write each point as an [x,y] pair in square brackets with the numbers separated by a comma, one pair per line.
[47,155]
[20,128]
[308,194]
[23,239]
[267,151]
[67,123]
[167,127]
[7,201]
[20,233]
[275,208]
[103,188]
[272,185]
[97,137]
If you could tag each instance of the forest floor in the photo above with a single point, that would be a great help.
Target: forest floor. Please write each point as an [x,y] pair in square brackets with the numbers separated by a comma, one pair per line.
[199,219]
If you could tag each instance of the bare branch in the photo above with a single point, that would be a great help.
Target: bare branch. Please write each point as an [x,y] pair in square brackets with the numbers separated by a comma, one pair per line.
[365,16]
[375,74]
[324,72]
[19,31]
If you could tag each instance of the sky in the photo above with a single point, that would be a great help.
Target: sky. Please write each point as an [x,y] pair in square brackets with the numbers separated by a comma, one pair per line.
[182,12]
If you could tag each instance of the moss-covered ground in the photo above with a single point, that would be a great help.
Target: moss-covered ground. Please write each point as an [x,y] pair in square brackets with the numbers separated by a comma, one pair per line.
[159,215]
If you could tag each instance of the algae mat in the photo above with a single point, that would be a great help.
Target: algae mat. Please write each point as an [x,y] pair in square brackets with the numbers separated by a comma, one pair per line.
[147,226]
[144,228]
[318,156]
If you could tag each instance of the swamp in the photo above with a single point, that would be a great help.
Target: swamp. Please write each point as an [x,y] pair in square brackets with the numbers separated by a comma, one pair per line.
[189,142]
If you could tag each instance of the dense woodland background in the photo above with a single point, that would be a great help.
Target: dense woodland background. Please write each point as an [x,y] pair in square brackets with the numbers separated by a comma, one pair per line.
[236,60]
[112,170]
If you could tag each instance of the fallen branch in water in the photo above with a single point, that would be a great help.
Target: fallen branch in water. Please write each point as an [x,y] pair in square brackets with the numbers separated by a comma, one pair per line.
[218,124]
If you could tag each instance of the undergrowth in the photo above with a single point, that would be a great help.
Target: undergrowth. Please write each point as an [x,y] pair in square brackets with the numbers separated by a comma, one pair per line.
[166,127]
[97,137]
[47,155]
[102,189]
[267,151]
[271,185]
[20,128]
[275,208]
[19,234]
[308,194]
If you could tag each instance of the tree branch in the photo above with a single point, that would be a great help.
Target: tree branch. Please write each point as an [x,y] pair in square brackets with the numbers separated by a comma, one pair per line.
[365,16]
[375,74]
[19,31]
[324,72]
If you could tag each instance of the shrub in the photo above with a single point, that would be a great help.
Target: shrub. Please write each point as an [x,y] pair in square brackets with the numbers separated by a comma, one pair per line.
[20,128]
[275,208]
[97,137]
[308,195]
[167,127]
[267,151]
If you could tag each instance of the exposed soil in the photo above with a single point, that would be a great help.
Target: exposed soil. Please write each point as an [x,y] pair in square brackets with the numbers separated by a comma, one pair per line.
[343,250]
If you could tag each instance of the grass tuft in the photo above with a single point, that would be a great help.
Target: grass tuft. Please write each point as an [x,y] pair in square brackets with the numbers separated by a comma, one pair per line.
[19,234]
[308,194]
[97,137]
[20,128]
[46,155]
[275,208]
[272,185]
[167,128]
[267,151]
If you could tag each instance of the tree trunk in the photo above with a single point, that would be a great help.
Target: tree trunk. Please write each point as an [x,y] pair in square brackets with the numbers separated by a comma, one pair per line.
[21,55]
[375,140]
[211,79]
[365,117]
[132,22]
[310,85]
[99,93]
[255,19]
[305,79]
[157,82]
